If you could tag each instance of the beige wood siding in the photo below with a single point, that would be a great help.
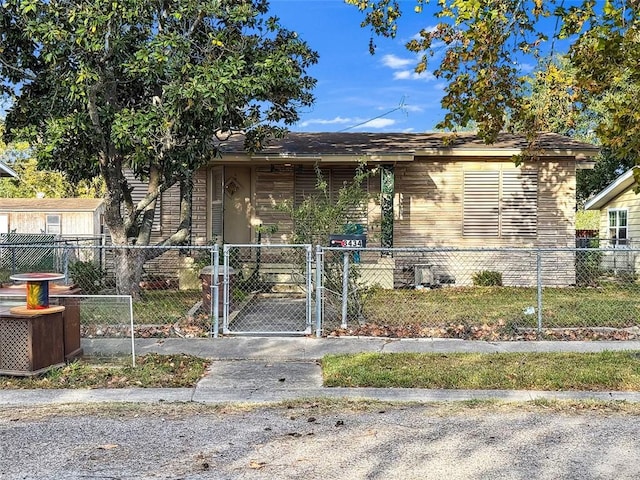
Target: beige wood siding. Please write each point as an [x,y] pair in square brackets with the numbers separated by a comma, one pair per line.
[622,259]
[71,223]
[631,201]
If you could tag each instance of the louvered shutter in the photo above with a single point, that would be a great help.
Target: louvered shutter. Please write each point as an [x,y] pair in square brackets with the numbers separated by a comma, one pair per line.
[341,177]
[305,183]
[481,204]
[519,209]
[217,207]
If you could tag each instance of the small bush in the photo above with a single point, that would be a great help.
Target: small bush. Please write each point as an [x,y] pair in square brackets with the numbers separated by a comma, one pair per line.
[487,278]
[88,276]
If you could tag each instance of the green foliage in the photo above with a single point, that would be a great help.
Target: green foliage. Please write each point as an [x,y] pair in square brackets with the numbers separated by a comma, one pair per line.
[319,215]
[478,44]
[154,87]
[588,267]
[89,276]
[487,278]
[587,220]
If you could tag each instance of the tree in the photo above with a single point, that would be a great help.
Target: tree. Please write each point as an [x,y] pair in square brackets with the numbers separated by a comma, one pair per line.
[551,106]
[33,182]
[484,40]
[155,87]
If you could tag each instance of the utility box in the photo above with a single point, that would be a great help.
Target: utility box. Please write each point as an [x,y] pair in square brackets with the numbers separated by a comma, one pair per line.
[206,279]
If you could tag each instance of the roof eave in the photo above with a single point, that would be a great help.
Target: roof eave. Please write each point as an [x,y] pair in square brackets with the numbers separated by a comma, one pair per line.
[622,183]
[6,171]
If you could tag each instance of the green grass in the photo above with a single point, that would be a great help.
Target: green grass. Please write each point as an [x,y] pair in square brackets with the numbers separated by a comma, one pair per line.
[562,307]
[510,371]
[151,370]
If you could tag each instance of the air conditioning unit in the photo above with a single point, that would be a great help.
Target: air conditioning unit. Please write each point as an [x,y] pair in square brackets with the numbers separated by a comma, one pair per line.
[423,275]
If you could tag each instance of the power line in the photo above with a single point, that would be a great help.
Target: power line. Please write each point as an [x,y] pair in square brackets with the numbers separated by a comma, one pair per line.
[401,106]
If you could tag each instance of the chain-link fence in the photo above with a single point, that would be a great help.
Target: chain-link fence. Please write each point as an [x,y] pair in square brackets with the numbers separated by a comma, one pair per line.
[481,293]
[272,289]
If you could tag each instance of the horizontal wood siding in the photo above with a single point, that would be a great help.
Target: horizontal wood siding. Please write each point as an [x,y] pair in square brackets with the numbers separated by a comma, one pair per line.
[71,223]
[623,259]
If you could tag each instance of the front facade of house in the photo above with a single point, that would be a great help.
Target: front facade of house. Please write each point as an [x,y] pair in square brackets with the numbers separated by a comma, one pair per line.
[445,191]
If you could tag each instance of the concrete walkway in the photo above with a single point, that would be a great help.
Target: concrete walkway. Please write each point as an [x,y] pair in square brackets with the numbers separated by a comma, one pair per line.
[273,369]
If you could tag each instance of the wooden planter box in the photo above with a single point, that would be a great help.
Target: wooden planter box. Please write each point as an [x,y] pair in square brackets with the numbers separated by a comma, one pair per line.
[71,315]
[31,344]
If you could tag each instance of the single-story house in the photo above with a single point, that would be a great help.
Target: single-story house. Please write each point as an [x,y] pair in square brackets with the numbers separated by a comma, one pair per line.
[446,190]
[619,208]
[77,217]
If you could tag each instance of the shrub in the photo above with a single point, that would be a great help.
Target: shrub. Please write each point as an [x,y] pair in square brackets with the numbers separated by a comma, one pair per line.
[88,276]
[487,278]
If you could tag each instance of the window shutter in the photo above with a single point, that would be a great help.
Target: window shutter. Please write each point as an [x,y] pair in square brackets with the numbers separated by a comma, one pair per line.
[519,203]
[217,207]
[481,204]
[305,183]
[340,177]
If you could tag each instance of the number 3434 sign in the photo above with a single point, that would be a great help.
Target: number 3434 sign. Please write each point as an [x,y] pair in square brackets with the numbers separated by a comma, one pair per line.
[348,241]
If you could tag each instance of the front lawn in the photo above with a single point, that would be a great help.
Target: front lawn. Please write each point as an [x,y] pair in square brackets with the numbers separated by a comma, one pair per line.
[601,371]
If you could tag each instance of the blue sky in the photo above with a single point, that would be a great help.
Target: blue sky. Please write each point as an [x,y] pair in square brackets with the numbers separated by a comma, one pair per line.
[355,87]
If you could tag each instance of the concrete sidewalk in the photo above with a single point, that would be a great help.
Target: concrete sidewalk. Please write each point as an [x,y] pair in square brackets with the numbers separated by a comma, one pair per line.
[273,369]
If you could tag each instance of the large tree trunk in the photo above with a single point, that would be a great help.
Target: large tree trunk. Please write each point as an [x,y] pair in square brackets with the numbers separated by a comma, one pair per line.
[128,263]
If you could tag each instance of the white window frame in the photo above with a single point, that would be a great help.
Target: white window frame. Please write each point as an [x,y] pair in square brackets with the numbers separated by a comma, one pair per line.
[614,230]
[48,229]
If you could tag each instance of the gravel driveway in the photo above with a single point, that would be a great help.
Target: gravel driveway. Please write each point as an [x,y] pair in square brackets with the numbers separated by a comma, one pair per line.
[318,441]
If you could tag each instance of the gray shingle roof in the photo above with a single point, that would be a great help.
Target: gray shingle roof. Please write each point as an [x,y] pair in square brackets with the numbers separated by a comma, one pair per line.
[49,204]
[405,143]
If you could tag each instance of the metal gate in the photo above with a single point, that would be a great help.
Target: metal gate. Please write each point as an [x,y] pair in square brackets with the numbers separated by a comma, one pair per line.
[267,289]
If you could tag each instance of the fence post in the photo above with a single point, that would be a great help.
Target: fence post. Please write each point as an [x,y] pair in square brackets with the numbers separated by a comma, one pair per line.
[225,289]
[215,293]
[309,286]
[539,282]
[345,287]
[319,268]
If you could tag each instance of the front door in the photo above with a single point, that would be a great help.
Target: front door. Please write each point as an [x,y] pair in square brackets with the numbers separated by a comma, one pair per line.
[237,205]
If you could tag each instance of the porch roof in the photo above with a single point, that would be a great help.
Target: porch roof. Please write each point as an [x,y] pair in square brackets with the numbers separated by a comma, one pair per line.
[301,146]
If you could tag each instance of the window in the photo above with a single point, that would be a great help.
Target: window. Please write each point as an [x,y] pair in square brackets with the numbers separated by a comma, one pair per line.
[618,228]
[53,225]
[500,203]
[337,178]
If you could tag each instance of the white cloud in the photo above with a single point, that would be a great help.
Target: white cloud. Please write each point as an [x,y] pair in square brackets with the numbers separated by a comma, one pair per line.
[526,67]
[395,62]
[412,75]
[377,123]
[324,121]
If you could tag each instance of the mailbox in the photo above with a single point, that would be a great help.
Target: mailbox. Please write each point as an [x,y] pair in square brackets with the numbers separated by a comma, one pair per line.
[348,241]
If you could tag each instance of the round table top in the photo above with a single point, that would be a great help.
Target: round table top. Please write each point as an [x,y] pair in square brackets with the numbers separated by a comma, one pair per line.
[36,277]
